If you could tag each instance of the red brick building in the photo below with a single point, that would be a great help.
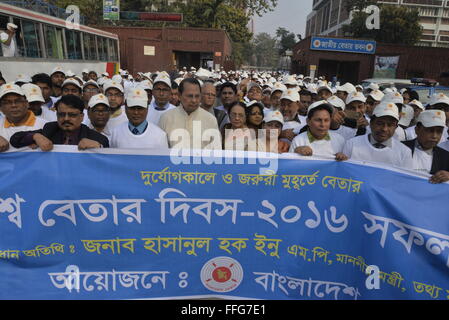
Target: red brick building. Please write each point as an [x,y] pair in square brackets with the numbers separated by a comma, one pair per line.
[155,49]
[414,61]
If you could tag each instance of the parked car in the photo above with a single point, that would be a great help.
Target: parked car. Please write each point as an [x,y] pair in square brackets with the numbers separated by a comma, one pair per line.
[387,83]
[426,88]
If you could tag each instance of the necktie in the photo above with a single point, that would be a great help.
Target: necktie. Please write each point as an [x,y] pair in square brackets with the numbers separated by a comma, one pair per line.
[135,131]
[379,145]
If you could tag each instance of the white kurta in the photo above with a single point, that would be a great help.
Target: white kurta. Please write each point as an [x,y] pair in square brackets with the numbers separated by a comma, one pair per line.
[198,130]
[323,148]
[360,148]
[153,138]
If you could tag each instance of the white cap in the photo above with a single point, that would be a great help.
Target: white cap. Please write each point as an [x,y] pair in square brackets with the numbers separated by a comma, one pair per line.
[23,78]
[432,118]
[417,103]
[253,85]
[406,116]
[11,26]
[386,109]
[439,98]
[69,74]
[394,97]
[112,84]
[312,88]
[290,80]
[57,69]
[71,81]
[355,96]
[317,104]
[253,103]
[203,74]
[91,82]
[10,88]
[105,74]
[97,99]
[145,85]
[85,71]
[32,92]
[388,90]
[377,95]
[117,78]
[164,78]
[337,102]
[278,87]
[137,98]
[324,87]
[347,87]
[373,86]
[274,116]
[291,94]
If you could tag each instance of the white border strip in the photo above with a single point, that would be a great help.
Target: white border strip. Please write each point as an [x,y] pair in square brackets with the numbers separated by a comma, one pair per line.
[224,154]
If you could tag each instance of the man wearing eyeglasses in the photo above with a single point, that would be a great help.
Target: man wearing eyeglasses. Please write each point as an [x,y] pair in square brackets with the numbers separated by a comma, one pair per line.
[208,97]
[162,93]
[68,130]
[17,116]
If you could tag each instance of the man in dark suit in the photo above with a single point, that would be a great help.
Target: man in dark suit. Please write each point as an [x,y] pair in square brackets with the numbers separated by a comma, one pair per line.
[427,156]
[68,129]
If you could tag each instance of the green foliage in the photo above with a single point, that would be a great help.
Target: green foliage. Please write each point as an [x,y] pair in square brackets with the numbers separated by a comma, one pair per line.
[287,40]
[398,25]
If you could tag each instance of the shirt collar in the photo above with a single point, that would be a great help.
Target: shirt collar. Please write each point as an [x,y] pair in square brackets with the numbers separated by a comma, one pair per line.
[313,139]
[387,143]
[28,122]
[140,128]
[117,113]
[418,146]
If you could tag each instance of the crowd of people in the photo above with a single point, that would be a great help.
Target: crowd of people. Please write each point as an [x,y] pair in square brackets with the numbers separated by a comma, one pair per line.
[234,110]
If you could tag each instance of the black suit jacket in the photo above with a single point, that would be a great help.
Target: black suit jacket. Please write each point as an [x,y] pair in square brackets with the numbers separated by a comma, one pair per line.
[52,131]
[440,157]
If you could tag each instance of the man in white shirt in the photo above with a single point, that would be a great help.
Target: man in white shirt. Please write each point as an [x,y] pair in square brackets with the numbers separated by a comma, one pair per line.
[138,133]
[17,117]
[7,40]
[115,94]
[318,140]
[427,157]
[379,145]
[160,104]
[35,100]
[99,113]
[293,122]
[189,126]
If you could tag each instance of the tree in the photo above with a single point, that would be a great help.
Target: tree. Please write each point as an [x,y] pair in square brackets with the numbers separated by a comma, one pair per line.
[264,50]
[398,25]
[287,40]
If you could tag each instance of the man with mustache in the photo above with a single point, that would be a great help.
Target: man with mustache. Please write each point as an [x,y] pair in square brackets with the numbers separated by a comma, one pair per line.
[68,129]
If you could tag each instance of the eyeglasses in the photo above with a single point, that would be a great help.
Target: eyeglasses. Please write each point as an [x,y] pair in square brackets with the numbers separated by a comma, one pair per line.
[67,114]
[8,103]
[93,90]
[236,115]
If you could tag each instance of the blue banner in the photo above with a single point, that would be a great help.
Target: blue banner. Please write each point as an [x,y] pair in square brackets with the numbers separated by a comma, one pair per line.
[343,45]
[112,225]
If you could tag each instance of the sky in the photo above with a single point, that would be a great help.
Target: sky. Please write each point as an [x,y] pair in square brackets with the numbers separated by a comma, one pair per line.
[290,14]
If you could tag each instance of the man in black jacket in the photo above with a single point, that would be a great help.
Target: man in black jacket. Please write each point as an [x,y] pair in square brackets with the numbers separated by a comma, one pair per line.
[427,156]
[68,129]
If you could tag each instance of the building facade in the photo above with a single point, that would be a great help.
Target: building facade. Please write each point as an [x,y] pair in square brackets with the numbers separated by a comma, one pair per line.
[329,16]
[155,49]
